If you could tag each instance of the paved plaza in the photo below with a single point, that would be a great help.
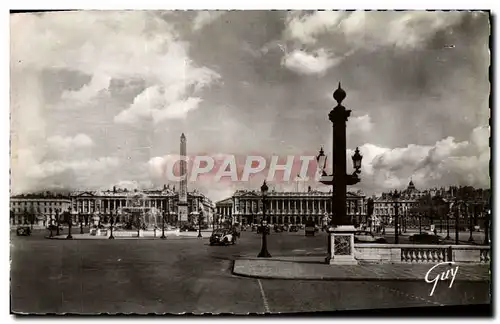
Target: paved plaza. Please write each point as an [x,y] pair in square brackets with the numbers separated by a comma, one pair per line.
[189,276]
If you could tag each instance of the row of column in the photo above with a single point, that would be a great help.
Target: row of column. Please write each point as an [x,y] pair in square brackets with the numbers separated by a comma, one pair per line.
[92,205]
[301,206]
[281,220]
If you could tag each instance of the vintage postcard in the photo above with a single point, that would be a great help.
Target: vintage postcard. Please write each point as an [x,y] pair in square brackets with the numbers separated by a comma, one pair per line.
[249,162]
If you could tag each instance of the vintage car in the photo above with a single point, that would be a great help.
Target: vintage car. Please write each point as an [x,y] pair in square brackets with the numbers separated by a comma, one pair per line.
[367,237]
[188,228]
[23,231]
[425,238]
[293,228]
[278,228]
[310,228]
[223,236]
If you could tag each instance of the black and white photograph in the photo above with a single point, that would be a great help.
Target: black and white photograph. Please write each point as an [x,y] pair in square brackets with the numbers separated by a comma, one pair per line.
[250,162]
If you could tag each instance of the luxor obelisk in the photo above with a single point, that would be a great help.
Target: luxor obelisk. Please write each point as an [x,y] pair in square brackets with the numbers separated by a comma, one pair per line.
[183,203]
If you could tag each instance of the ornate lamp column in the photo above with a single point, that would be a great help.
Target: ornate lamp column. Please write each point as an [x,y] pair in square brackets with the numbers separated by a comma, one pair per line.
[487,227]
[457,212]
[111,221]
[200,215]
[80,219]
[70,224]
[263,251]
[396,196]
[471,225]
[57,222]
[341,232]
[163,227]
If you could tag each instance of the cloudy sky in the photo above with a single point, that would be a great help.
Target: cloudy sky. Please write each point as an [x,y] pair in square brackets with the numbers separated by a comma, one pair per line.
[101,98]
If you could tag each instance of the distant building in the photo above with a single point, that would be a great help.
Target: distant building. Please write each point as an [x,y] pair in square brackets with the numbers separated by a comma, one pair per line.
[245,207]
[384,205]
[43,205]
[87,204]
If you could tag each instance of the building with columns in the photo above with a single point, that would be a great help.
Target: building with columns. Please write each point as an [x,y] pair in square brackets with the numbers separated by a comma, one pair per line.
[44,206]
[245,207]
[87,204]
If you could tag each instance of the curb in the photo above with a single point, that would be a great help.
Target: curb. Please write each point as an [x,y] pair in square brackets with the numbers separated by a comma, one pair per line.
[328,278]
[271,277]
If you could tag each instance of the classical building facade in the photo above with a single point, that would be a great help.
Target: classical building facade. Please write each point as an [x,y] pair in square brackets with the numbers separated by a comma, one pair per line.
[85,205]
[44,207]
[245,207]
[385,205]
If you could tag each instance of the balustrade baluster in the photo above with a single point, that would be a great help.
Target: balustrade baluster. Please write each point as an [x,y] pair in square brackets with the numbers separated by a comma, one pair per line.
[414,257]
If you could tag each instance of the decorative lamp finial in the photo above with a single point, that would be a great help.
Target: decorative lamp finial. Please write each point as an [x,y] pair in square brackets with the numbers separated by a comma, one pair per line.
[339,94]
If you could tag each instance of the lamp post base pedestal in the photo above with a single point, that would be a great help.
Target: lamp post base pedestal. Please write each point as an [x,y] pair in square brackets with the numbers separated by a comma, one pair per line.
[341,245]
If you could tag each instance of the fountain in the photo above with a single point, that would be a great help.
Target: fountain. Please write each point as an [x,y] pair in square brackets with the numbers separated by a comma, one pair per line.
[136,218]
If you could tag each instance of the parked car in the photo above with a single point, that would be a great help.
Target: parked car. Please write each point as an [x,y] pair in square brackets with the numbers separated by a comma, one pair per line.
[425,238]
[278,228]
[367,237]
[223,236]
[23,231]
[310,229]
[294,228]
[188,228]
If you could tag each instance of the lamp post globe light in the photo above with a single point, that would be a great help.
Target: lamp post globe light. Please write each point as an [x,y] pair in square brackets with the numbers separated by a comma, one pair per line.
[471,224]
[111,223]
[395,197]
[70,223]
[263,251]
[57,221]
[163,227]
[200,215]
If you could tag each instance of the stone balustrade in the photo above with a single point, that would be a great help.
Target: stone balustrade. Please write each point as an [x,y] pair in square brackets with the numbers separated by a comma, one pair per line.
[417,253]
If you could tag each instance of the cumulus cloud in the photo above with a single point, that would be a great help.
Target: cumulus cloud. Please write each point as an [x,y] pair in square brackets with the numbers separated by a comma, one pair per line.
[156,104]
[404,30]
[103,50]
[204,18]
[447,162]
[360,124]
[305,28]
[347,32]
[88,91]
[67,143]
[309,63]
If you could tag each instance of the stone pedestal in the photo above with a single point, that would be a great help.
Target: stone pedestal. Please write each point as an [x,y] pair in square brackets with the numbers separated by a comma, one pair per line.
[141,233]
[341,245]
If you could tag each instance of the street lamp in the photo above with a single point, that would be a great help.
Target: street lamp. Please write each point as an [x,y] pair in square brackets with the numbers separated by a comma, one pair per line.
[80,219]
[395,196]
[57,221]
[70,223]
[457,211]
[471,240]
[356,161]
[163,227]
[200,215]
[447,226]
[263,251]
[487,227]
[111,222]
